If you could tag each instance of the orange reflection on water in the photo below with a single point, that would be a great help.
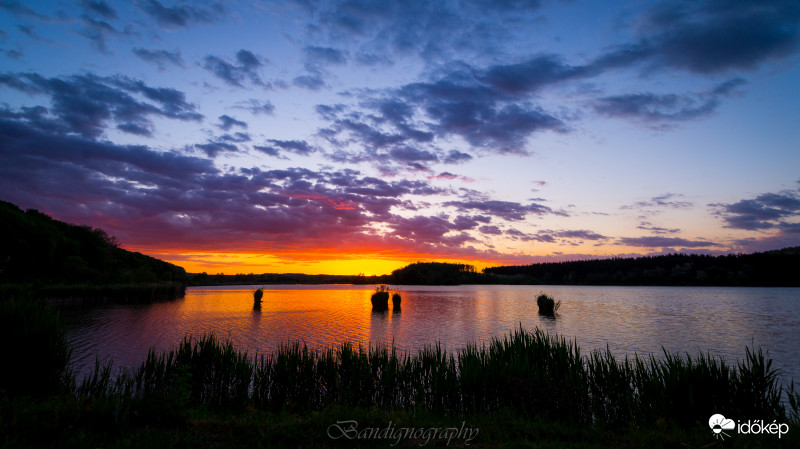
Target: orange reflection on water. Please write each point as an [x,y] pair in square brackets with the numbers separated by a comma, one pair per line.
[315,316]
[628,320]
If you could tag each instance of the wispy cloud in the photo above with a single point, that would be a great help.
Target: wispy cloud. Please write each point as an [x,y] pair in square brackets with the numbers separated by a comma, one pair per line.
[161,58]
[665,201]
[182,14]
[665,242]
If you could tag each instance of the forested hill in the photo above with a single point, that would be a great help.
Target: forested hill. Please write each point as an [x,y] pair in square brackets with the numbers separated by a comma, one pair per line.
[772,268]
[436,273]
[35,248]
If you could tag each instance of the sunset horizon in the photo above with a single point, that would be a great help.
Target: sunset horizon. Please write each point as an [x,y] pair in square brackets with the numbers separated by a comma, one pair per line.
[358,137]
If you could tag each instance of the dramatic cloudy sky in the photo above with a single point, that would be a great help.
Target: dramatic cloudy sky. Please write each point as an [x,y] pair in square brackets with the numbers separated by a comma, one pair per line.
[357,136]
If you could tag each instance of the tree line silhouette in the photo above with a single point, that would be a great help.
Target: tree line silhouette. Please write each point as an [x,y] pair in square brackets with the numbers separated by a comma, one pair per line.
[771,268]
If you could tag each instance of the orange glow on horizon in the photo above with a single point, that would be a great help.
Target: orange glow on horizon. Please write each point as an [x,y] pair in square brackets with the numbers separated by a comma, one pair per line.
[236,263]
[370,260]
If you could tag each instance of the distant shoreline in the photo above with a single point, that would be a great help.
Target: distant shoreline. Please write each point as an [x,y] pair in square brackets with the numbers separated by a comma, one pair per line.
[769,269]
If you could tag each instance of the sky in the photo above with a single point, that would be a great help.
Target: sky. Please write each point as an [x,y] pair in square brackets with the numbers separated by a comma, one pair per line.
[302,136]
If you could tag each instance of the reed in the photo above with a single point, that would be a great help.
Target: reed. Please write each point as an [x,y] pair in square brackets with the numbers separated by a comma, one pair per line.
[532,373]
[34,349]
[547,305]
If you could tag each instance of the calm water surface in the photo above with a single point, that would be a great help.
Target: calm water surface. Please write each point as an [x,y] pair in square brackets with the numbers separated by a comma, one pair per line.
[626,319]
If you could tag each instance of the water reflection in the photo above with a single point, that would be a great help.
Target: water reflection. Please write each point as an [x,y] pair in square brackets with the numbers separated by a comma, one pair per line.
[628,319]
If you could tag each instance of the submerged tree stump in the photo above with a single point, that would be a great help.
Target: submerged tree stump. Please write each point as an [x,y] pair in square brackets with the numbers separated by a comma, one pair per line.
[396,301]
[257,295]
[380,300]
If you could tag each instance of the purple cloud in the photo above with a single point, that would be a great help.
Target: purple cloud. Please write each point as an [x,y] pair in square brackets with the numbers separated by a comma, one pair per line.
[506,210]
[764,212]
[227,122]
[84,104]
[661,242]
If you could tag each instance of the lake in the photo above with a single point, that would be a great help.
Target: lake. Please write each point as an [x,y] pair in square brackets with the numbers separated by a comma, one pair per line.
[627,320]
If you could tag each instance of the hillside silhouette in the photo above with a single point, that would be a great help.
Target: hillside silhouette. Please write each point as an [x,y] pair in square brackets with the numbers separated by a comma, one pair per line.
[36,249]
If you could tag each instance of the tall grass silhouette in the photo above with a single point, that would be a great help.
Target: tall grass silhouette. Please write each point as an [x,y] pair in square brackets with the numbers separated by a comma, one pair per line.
[533,373]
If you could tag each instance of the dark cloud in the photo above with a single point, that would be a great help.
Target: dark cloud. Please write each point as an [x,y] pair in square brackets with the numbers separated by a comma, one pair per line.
[152,198]
[542,237]
[96,27]
[20,9]
[330,112]
[657,108]
[767,211]
[161,58]
[531,75]
[256,106]
[325,55]
[455,105]
[30,32]
[483,116]
[403,125]
[661,242]
[652,107]
[457,157]
[133,128]
[550,236]
[237,137]
[182,14]
[506,5]
[465,223]
[247,59]
[668,201]
[451,176]
[13,53]
[580,234]
[506,210]
[717,36]
[407,154]
[434,31]
[215,148]
[490,230]
[100,8]
[269,151]
[316,59]
[235,74]
[276,147]
[789,228]
[421,227]
[492,107]
[40,165]
[312,81]
[85,103]
[647,226]
[227,122]
[97,31]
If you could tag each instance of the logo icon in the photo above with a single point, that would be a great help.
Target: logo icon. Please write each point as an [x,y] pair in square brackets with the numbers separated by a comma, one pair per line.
[719,424]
